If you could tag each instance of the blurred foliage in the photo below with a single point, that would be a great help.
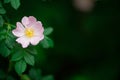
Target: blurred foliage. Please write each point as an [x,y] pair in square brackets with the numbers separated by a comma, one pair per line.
[86,45]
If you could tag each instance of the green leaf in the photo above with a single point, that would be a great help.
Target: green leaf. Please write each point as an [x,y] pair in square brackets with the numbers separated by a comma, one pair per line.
[31,50]
[29,59]
[1,21]
[2,31]
[47,42]
[35,74]
[48,31]
[15,4]
[1,4]
[10,40]
[20,66]
[50,77]
[6,1]
[2,10]
[2,37]
[17,56]
[4,50]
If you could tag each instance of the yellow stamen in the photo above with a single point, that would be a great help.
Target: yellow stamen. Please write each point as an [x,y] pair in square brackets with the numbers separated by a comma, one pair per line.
[29,32]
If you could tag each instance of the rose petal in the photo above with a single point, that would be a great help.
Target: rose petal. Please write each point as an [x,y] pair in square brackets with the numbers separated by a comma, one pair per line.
[38,28]
[23,41]
[32,19]
[35,40]
[19,31]
[20,26]
[25,21]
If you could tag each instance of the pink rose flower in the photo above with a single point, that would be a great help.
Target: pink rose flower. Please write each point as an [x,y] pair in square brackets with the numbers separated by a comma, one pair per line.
[30,31]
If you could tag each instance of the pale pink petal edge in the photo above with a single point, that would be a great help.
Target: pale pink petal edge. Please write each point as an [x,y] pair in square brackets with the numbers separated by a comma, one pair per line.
[25,21]
[36,40]
[23,41]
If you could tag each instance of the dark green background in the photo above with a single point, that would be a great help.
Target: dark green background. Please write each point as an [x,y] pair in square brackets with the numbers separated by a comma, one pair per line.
[86,44]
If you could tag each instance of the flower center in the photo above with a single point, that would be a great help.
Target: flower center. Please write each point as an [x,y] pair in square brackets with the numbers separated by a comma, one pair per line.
[29,32]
